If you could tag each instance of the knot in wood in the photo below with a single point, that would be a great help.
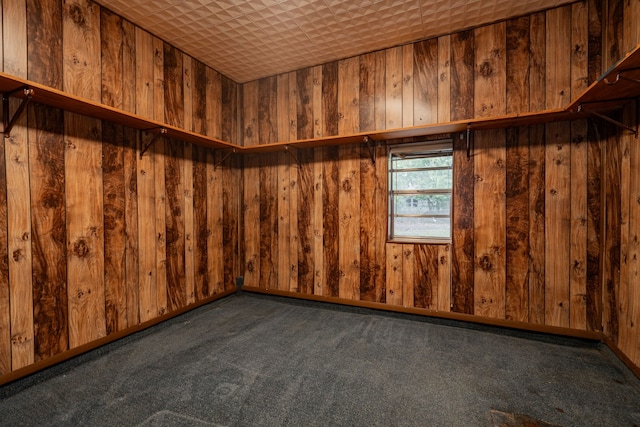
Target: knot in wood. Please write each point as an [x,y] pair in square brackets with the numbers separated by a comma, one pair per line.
[485,263]
[486,70]
[76,15]
[80,248]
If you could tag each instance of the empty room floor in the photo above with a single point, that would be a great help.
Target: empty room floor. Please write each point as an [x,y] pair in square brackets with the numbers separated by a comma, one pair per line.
[257,360]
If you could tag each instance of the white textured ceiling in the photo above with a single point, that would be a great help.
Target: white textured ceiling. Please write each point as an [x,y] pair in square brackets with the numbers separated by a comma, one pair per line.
[249,39]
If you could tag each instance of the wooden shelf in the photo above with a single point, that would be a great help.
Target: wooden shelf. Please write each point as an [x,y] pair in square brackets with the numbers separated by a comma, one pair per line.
[616,86]
[74,104]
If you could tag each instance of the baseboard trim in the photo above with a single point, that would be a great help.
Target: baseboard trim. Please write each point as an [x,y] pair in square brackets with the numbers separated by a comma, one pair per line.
[69,354]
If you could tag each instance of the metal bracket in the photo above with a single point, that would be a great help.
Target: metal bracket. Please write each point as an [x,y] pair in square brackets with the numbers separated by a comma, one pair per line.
[10,123]
[619,77]
[293,156]
[162,131]
[469,138]
[609,119]
[226,156]
[371,145]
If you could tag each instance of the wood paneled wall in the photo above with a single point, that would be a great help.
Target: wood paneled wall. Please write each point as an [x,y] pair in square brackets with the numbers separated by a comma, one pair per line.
[94,238]
[544,217]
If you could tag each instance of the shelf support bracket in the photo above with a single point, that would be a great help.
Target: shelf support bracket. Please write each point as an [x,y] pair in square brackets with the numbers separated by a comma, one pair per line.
[293,156]
[469,138]
[225,157]
[610,120]
[9,123]
[162,131]
[619,77]
[371,145]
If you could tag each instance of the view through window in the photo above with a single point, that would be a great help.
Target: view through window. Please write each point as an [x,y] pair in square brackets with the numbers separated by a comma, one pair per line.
[420,182]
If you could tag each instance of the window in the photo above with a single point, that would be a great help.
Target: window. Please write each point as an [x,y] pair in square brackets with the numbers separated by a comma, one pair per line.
[420,181]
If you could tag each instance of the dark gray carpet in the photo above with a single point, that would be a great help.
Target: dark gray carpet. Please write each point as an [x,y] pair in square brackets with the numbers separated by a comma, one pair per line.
[254,360]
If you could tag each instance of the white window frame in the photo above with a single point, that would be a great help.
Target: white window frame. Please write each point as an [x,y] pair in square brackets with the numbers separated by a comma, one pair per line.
[422,149]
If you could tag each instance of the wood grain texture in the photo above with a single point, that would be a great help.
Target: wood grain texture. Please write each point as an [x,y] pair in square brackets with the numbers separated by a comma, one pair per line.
[444,278]
[425,82]
[251,200]
[409,284]
[380,90]
[318,223]
[5,310]
[579,49]
[489,224]
[349,222]
[595,40]
[462,75]
[380,222]
[331,220]
[199,87]
[306,197]
[81,48]
[557,223]
[132,250]
[444,79]
[490,70]
[426,276]
[189,224]
[304,104]
[19,244]
[283,172]
[537,155]
[44,42]
[517,65]
[14,22]
[594,229]
[330,98]
[267,133]
[318,117]
[368,237]
[394,274]
[462,256]
[407,85]
[558,46]
[201,230]
[366,95]
[46,176]
[85,232]
[213,101]
[111,50]
[537,62]
[517,232]
[114,226]
[175,225]
[393,93]
[348,92]
[578,243]
[613,33]
[215,218]
[159,172]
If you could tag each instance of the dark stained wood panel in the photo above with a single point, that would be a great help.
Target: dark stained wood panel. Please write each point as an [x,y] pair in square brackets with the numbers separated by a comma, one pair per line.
[517,64]
[380,223]
[366,95]
[305,217]
[462,80]
[213,107]
[425,293]
[368,201]
[132,252]
[444,79]
[594,229]
[425,82]
[393,93]
[304,104]
[558,43]
[200,249]
[537,224]
[114,226]
[231,236]
[349,222]
[490,70]
[537,62]
[173,86]
[44,42]
[199,84]
[215,260]
[580,49]
[517,205]
[111,40]
[175,225]
[331,219]
[330,98]
[595,40]
[394,261]
[5,310]
[408,275]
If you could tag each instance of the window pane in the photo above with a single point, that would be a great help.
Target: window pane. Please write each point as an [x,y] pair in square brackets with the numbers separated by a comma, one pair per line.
[423,204]
[438,179]
[422,227]
[399,162]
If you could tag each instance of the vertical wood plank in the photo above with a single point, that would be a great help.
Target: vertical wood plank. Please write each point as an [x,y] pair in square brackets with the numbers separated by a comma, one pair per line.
[490,70]
[251,204]
[83,181]
[426,276]
[145,174]
[380,66]
[537,101]
[368,200]
[159,172]
[557,224]
[132,253]
[366,95]
[201,230]
[293,182]
[394,86]
[578,245]
[306,197]
[444,79]
[632,341]
[175,225]
[517,232]
[44,42]
[189,224]
[199,92]
[128,66]
[318,229]
[231,186]
[407,85]
[213,103]
[558,46]
[462,75]
[330,199]
[490,225]
[113,174]
[330,111]
[284,181]
[409,284]
[5,308]
[425,71]
[518,48]
[46,176]
[348,92]
[318,125]
[613,32]
[304,104]
[444,278]
[595,39]
[267,133]
[114,227]
[394,274]
[215,213]
[380,223]
[594,236]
